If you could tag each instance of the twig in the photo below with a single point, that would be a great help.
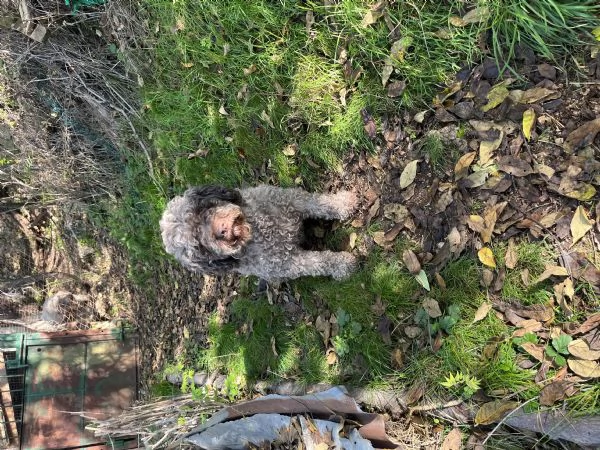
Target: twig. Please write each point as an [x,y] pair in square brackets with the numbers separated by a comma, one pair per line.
[434,406]
[505,417]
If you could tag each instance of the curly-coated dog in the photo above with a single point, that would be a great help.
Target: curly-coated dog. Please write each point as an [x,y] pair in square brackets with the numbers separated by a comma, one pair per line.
[253,231]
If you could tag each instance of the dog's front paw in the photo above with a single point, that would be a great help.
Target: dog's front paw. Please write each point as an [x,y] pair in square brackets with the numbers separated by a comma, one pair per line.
[346,266]
[347,203]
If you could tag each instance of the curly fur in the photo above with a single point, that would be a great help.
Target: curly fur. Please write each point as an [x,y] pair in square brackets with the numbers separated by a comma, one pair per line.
[267,221]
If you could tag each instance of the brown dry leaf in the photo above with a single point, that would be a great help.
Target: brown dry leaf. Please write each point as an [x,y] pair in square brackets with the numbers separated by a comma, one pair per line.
[496,95]
[580,224]
[378,307]
[373,211]
[583,368]
[514,166]
[331,357]
[548,220]
[397,358]
[494,411]
[432,307]
[510,259]
[559,295]
[393,232]
[555,391]
[476,223]
[490,218]
[396,88]
[482,311]
[487,257]
[581,349]
[462,166]
[543,313]
[408,174]
[551,270]
[590,323]
[479,14]
[476,179]
[414,394]
[396,212]
[544,170]
[454,240]
[487,277]
[444,201]
[374,14]
[411,261]
[536,94]
[581,191]
[525,277]
[487,149]
[528,122]
[453,440]
[582,136]
[527,326]
[440,281]
[368,123]
[379,238]
[535,350]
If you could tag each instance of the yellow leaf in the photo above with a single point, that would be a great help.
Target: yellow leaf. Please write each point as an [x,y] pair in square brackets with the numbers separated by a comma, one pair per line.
[476,223]
[596,33]
[528,121]
[487,148]
[494,411]
[496,95]
[580,224]
[462,166]
[487,257]
[584,193]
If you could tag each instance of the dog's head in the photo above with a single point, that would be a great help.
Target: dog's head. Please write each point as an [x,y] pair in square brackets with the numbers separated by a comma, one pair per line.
[206,229]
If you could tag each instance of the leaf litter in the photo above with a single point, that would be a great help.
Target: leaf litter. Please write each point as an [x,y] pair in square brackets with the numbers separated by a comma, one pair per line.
[527,188]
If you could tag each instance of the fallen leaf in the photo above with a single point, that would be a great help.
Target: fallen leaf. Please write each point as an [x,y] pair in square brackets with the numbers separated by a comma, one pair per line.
[552,270]
[528,122]
[527,326]
[396,88]
[421,278]
[487,149]
[496,95]
[374,13]
[393,232]
[397,359]
[590,323]
[476,179]
[487,257]
[432,307]
[583,368]
[476,223]
[555,391]
[559,295]
[494,411]
[378,307]
[331,357]
[411,261]
[580,224]
[453,440]
[535,350]
[250,70]
[454,240]
[369,123]
[540,312]
[384,325]
[379,238]
[264,116]
[581,349]
[514,166]
[482,311]
[582,192]
[544,170]
[222,111]
[582,136]
[510,259]
[440,281]
[462,165]
[487,277]
[443,201]
[447,93]
[408,174]
[536,94]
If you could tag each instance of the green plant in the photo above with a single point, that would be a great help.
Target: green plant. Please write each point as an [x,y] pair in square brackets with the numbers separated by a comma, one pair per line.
[348,333]
[559,349]
[444,323]
[548,27]
[463,384]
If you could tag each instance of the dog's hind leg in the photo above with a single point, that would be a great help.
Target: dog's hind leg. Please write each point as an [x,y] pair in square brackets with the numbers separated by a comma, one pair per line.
[338,265]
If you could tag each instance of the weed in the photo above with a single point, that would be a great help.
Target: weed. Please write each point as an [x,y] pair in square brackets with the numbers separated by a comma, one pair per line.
[462,384]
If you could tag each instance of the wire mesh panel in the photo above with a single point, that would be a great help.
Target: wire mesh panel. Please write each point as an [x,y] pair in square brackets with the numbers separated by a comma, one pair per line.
[12,379]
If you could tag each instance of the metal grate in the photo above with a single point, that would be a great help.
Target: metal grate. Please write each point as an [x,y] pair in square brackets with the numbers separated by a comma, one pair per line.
[12,383]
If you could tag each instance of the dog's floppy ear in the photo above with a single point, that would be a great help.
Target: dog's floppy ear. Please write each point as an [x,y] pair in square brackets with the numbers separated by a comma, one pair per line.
[203,197]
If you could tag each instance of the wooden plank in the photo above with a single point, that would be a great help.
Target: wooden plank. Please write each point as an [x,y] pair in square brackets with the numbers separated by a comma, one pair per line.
[10,430]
